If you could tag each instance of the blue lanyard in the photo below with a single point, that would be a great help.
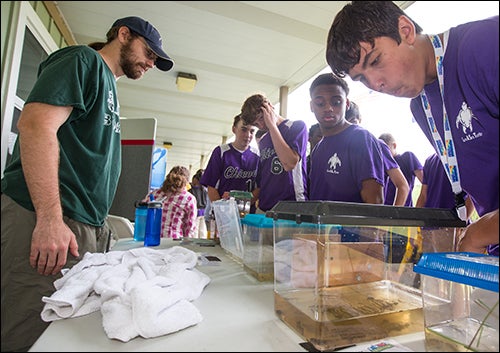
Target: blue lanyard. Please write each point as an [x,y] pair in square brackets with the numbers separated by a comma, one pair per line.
[445,150]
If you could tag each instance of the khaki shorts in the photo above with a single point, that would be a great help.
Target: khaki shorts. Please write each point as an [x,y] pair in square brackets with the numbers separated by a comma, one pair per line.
[22,287]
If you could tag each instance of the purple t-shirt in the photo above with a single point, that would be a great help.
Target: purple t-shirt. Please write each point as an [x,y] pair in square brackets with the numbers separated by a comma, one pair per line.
[471,85]
[471,73]
[389,161]
[229,169]
[408,162]
[341,162]
[439,192]
[275,183]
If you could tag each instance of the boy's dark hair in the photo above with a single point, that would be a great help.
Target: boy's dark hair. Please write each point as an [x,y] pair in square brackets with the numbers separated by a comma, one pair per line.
[251,107]
[352,113]
[198,174]
[329,79]
[260,133]
[387,138]
[361,21]
[313,128]
[236,119]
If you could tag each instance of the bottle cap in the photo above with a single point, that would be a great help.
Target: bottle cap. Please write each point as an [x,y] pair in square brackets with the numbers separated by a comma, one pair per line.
[140,204]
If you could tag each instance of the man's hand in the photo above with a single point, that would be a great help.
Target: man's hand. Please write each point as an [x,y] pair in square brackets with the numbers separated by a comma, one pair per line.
[478,235]
[49,246]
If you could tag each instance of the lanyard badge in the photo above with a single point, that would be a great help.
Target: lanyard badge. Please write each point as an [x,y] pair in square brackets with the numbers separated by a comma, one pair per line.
[460,206]
[446,148]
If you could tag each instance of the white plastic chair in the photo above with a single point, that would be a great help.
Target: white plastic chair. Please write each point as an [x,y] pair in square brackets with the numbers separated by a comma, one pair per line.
[121,227]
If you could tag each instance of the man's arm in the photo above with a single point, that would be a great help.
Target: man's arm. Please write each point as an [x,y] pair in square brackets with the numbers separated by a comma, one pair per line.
[419,173]
[287,156]
[372,191]
[422,197]
[402,188]
[39,148]
[213,194]
[255,196]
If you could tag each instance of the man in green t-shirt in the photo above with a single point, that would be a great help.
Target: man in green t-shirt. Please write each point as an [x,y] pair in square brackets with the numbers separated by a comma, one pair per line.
[59,185]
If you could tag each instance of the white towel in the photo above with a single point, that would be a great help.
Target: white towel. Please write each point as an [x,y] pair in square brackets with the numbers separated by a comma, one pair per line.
[75,298]
[152,310]
[142,291]
[161,310]
[117,320]
[112,283]
[156,306]
[89,260]
[56,309]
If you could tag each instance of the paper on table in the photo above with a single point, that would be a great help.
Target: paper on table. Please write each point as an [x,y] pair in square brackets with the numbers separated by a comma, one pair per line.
[387,345]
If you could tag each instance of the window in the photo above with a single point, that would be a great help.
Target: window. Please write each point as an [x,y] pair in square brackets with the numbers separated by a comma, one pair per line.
[28,43]
[32,55]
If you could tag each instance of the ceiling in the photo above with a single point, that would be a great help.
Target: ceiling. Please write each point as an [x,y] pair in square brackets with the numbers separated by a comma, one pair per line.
[235,48]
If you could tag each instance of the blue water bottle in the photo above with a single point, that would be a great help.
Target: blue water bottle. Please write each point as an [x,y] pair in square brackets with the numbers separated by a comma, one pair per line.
[141,213]
[153,224]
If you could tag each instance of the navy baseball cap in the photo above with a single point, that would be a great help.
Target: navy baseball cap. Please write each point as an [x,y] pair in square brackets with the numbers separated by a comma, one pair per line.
[152,37]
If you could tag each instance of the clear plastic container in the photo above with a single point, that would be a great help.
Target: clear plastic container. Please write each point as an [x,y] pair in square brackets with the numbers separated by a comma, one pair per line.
[258,258]
[227,218]
[460,301]
[344,274]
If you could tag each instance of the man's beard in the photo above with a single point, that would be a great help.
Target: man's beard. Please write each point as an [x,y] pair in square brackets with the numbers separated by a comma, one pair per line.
[129,68]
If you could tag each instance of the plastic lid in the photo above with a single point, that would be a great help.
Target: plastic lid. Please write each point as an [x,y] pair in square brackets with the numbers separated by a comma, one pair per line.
[472,269]
[353,213]
[143,204]
[155,204]
[241,195]
[257,220]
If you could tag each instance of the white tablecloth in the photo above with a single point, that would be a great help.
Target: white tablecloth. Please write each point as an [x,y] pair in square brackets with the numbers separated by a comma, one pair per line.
[238,316]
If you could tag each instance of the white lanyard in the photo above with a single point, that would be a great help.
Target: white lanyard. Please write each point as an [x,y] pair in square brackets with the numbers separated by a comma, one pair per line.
[445,150]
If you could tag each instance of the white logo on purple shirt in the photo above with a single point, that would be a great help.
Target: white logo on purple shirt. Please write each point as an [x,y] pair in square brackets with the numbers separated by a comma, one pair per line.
[333,162]
[464,118]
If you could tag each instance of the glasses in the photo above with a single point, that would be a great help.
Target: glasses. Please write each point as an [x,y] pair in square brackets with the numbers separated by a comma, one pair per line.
[150,54]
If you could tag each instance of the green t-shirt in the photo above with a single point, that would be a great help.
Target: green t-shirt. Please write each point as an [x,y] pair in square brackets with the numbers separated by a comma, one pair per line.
[89,141]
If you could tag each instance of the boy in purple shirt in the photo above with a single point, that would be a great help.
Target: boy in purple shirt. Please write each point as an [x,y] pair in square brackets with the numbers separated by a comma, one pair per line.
[232,166]
[392,170]
[395,177]
[282,169]
[346,165]
[410,166]
[436,189]
[455,93]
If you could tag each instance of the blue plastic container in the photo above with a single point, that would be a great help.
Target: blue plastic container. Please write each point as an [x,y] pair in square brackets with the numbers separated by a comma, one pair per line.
[256,225]
[141,213]
[460,301]
[470,269]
